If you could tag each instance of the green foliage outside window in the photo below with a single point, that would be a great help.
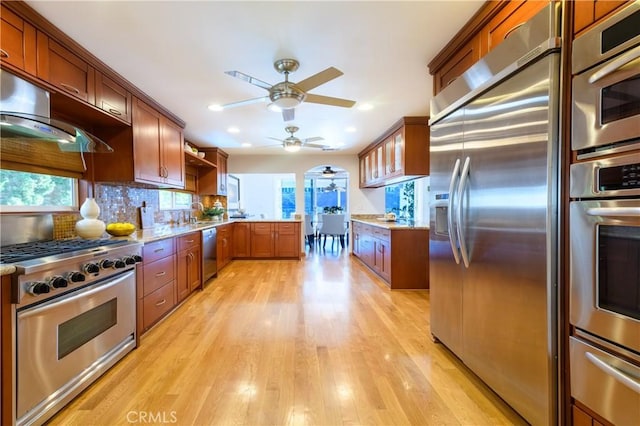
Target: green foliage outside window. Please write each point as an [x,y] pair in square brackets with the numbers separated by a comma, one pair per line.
[33,189]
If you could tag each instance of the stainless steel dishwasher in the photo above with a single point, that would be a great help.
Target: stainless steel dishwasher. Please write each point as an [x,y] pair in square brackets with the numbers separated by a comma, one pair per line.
[209,254]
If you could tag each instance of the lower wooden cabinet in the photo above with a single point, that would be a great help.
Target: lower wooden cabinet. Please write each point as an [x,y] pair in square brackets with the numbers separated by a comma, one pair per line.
[6,358]
[189,276]
[224,245]
[158,281]
[399,256]
[275,240]
[242,239]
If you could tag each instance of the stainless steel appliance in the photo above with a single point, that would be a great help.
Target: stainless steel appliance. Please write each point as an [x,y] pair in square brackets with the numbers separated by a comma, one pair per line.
[494,217]
[606,88]
[209,254]
[73,315]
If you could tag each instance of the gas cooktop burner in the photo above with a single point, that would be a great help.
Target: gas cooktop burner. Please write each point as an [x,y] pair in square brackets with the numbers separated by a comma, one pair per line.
[27,251]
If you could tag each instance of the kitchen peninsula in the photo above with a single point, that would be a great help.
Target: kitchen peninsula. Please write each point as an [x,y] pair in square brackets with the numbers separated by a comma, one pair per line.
[398,252]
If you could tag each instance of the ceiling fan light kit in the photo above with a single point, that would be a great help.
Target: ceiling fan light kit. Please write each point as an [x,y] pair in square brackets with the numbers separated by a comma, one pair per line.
[287,95]
[328,172]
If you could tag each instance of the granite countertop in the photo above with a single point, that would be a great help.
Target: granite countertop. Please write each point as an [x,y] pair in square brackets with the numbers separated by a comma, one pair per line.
[7,269]
[400,224]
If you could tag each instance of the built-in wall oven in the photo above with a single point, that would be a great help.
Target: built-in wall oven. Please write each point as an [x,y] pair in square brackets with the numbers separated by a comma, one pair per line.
[604,219]
[606,86]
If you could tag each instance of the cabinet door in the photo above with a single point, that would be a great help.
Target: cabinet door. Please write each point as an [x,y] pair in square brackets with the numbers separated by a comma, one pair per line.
[224,245]
[363,170]
[18,42]
[172,158]
[241,240]
[222,174]
[262,239]
[461,61]
[604,7]
[194,269]
[146,143]
[511,17]
[182,275]
[113,98]
[68,72]
[287,240]
[382,259]
[398,152]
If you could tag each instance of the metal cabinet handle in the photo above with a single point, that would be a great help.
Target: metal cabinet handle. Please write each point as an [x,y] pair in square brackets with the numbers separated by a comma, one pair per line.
[614,211]
[452,194]
[69,88]
[616,373]
[464,177]
[114,111]
[615,65]
[4,54]
[160,274]
[162,302]
[158,250]
[189,241]
[508,33]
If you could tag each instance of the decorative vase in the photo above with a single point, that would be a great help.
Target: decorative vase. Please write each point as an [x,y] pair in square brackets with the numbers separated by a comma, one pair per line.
[90,226]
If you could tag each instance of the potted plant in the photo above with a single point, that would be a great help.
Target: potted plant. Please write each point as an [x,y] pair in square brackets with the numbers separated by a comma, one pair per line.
[213,213]
[333,209]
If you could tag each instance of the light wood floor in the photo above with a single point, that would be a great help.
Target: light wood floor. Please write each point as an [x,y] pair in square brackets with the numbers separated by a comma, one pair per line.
[315,342]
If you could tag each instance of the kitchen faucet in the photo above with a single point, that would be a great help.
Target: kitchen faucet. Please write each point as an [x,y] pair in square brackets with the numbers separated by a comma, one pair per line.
[200,207]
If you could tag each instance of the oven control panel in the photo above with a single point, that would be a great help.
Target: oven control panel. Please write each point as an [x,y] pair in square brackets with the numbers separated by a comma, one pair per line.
[626,176]
[53,279]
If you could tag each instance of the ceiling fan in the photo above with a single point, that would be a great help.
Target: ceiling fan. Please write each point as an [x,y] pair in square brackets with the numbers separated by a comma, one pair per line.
[328,172]
[287,95]
[332,187]
[293,144]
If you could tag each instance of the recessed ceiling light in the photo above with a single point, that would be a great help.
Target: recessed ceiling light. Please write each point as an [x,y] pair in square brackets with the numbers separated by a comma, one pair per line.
[246,145]
[350,129]
[365,107]
[233,130]
[215,107]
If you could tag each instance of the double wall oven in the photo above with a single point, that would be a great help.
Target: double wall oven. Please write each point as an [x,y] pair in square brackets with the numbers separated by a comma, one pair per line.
[604,219]
[73,317]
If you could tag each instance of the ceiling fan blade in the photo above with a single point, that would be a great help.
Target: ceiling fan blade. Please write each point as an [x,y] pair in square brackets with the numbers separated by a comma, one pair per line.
[245,102]
[314,145]
[319,78]
[288,114]
[328,100]
[317,138]
[276,139]
[249,79]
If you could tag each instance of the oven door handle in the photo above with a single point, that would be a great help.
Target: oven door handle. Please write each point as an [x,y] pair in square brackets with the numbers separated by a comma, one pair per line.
[621,376]
[614,211]
[616,64]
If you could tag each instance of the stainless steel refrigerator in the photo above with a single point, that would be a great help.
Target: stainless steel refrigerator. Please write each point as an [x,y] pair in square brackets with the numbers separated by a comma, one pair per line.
[494,217]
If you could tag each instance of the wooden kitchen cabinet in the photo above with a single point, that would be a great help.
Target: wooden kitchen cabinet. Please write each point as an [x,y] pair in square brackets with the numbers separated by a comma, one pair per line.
[275,240]
[18,42]
[189,260]
[6,352]
[214,181]
[241,239]
[588,12]
[159,280]
[400,154]
[399,256]
[158,148]
[65,70]
[490,26]
[113,98]
[224,245]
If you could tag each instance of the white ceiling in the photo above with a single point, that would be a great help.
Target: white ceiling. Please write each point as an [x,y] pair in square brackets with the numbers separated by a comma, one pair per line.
[177,52]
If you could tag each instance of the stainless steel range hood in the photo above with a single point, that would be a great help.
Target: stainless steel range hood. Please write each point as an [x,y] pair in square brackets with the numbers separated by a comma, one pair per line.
[25,115]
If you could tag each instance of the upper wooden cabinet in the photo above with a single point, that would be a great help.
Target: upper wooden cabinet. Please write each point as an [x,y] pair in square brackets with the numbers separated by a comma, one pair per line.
[588,12]
[113,98]
[213,181]
[155,156]
[400,154]
[18,42]
[489,27]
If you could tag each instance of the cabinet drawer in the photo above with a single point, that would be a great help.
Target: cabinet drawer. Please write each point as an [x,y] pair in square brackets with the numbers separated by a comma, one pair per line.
[189,241]
[158,303]
[383,234]
[286,228]
[158,273]
[157,250]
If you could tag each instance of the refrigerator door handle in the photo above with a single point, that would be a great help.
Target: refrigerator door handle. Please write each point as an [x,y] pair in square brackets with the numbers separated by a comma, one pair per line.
[461,187]
[452,192]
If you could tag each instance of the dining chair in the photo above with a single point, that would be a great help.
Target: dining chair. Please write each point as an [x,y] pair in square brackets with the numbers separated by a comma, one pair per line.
[309,232]
[333,225]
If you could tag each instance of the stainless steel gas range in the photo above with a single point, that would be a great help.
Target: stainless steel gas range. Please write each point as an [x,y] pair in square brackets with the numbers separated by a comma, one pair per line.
[73,317]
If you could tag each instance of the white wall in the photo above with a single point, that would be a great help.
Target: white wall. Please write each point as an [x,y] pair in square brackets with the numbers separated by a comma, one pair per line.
[361,201]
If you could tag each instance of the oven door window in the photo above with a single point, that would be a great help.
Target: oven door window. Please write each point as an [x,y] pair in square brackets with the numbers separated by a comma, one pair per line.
[619,269]
[621,100]
[85,327]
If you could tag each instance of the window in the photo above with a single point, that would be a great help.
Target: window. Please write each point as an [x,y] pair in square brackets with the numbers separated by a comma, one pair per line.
[22,191]
[400,199]
[173,200]
[288,191]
